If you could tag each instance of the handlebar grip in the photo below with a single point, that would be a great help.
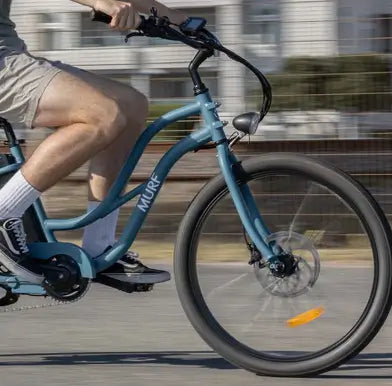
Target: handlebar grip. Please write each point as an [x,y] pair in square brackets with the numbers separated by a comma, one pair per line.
[100,16]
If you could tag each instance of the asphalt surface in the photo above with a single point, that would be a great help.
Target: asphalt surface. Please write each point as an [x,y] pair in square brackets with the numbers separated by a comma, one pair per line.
[113,338]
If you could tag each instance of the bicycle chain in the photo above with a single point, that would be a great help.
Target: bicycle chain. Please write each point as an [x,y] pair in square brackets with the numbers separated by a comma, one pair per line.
[44,305]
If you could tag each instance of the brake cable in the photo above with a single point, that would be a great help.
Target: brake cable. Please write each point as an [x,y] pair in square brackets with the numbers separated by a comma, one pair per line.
[267,93]
[155,26]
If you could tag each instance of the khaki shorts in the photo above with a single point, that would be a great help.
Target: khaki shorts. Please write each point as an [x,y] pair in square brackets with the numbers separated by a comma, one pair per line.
[23,79]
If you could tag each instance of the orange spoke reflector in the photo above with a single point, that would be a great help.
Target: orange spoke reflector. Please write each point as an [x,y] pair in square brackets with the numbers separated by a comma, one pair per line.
[305,317]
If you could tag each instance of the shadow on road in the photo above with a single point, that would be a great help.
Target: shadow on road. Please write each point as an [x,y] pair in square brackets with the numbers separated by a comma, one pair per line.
[365,366]
[204,359]
[370,361]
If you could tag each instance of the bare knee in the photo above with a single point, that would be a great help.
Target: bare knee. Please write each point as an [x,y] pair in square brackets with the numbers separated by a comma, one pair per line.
[110,121]
[126,113]
[135,106]
[143,105]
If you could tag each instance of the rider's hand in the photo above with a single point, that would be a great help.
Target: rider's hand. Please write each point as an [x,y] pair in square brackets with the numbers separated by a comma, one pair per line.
[124,15]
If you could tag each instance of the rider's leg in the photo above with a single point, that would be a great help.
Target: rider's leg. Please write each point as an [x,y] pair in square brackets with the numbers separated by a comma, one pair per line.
[87,122]
[98,235]
[103,170]
[104,167]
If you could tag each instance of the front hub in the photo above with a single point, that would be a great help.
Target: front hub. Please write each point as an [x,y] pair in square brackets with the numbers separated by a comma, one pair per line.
[291,273]
[282,265]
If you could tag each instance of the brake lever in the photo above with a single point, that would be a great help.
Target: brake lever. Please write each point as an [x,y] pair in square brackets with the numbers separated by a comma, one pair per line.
[132,34]
[163,22]
[151,26]
[154,12]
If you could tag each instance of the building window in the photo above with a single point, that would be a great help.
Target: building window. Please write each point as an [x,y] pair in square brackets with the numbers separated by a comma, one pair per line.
[262,21]
[345,11]
[175,86]
[49,29]
[383,33]
[347,38]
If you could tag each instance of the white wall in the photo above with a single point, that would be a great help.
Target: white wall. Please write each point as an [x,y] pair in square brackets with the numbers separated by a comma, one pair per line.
[21,6]
[308,27]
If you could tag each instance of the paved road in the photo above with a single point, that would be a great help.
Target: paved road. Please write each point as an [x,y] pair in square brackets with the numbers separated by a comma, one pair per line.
[112,338]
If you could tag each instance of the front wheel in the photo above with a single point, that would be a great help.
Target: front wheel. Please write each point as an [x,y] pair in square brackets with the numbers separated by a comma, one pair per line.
[331,302]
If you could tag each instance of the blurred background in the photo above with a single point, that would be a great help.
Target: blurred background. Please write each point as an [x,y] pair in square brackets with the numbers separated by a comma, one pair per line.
[329,63]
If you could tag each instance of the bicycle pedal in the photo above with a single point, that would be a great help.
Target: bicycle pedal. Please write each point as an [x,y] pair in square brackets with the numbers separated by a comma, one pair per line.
[123,285]
[8,299]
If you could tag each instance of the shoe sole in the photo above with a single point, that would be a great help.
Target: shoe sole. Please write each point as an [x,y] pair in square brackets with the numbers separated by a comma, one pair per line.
[138,278]
[20,271]
[123,285]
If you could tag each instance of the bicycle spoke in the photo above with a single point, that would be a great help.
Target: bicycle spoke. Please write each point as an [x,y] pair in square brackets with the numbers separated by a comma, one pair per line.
[227,284]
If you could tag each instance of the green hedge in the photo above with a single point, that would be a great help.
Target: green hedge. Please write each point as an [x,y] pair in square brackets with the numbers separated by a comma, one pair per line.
[176,130]
[344,83]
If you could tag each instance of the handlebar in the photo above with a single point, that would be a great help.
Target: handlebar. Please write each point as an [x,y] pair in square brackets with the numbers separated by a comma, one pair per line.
[100,16]
[202,40]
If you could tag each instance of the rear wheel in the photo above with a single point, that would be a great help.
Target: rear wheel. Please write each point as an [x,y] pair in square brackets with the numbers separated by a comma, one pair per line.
[325,307]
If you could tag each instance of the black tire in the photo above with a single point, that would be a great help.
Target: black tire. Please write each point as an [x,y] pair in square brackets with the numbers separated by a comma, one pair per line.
[226,345]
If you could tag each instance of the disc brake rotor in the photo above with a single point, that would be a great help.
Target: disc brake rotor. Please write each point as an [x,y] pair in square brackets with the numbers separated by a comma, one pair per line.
[306,273]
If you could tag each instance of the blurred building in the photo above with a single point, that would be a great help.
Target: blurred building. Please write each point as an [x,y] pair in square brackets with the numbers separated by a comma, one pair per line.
[266,32]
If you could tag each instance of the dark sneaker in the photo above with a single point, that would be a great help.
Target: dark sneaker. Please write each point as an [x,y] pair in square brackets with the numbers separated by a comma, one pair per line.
[130,269]
[14,253]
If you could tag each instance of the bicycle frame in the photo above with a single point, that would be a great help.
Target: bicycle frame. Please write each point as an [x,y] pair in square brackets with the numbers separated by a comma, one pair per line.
[148,191]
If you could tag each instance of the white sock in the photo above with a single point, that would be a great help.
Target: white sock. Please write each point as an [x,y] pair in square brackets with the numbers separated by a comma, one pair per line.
[101,233]
[16,196]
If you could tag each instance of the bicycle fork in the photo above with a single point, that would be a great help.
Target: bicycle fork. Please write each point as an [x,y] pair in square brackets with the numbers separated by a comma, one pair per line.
[242,196]
[244,201]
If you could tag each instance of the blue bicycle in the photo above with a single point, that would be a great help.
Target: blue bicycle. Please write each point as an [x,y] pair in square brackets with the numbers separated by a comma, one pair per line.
[282,262]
